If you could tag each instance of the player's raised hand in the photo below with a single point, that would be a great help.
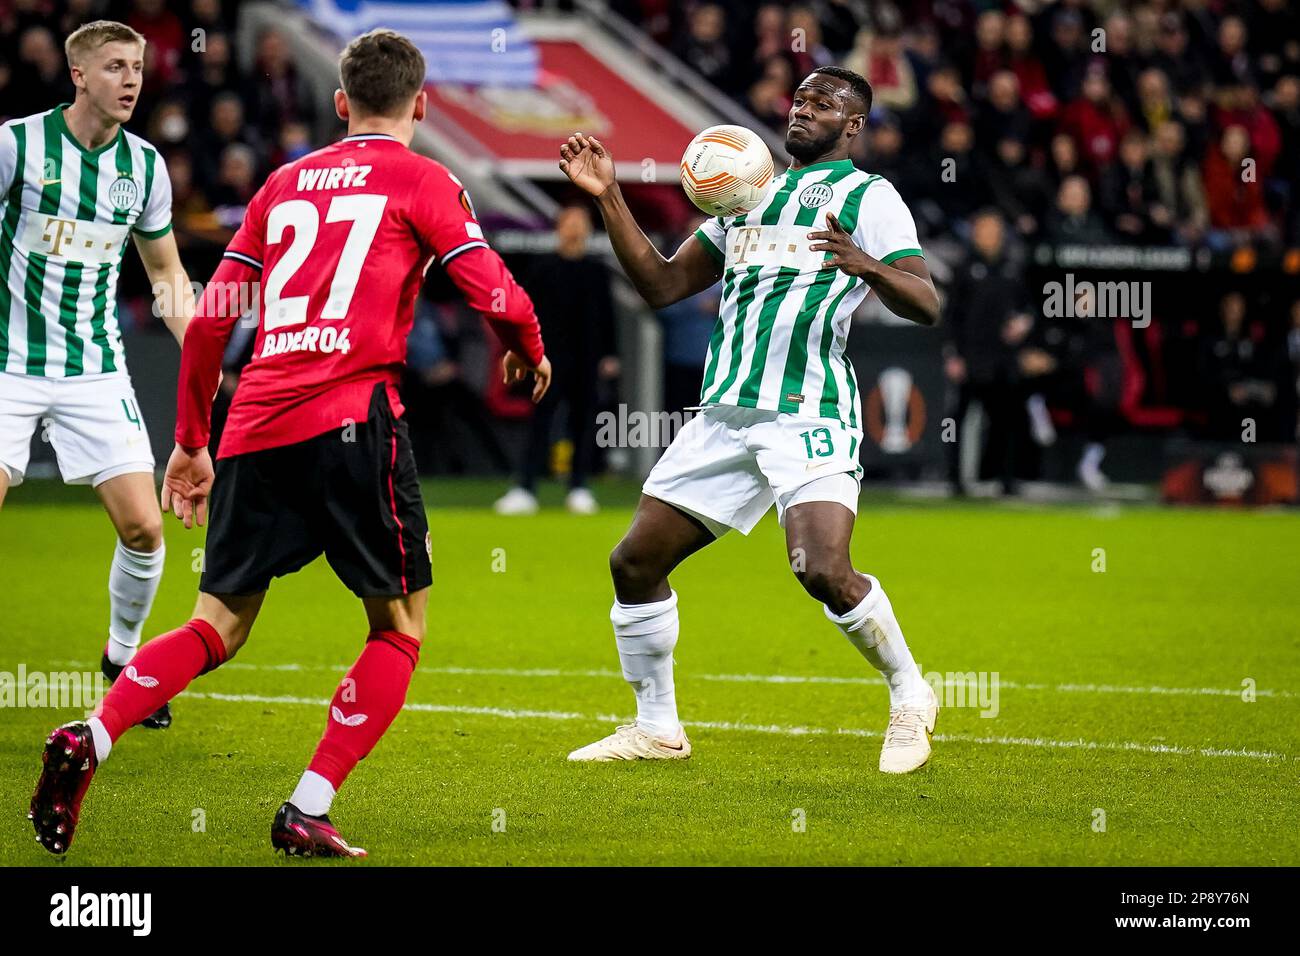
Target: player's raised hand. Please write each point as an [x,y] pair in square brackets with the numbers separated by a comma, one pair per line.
[845,254]
[514,368]
[187,484]
[587,163]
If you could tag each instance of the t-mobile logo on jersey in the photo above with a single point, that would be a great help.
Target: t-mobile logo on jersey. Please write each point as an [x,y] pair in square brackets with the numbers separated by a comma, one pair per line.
[74,909]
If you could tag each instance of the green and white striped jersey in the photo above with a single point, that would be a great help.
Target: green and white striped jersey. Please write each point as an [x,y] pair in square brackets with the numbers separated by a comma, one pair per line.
[784,320]
[65,215]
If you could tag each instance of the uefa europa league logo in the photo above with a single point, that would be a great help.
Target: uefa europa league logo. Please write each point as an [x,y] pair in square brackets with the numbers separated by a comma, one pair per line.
[896,392]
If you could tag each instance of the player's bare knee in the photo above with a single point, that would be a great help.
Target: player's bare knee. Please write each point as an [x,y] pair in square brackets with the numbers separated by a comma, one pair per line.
[830,581]
[636,577]
[143,534]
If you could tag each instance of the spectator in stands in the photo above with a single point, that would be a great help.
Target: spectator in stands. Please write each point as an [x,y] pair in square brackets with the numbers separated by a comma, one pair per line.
[945,102]
[276,94]
[1072,220]
[1121,59]
[207,16]
[990,58]
[1028,68]
[41,78]
[1239,383]
[704,48]
[166,38]
[771,35]
[169,125]
[1286,110]
[212,74]
[1175,57]
[1066,55]
[1021,190]
[878,55]
[881,151]
[955,183]
[1274,31]
[987,318]
[1003,115]
[769,98]
[236,180]
[1097,119]
[570,290]
[1063,159]
[807,52]
[1129,197]
[197,227]
[1178,183]
[226,126]
[1155,104]
[1233,192]
[1231,65]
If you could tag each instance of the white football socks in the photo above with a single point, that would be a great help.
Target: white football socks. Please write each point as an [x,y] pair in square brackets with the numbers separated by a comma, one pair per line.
[873,630]
[132,583]
[313,795]
[646,635]
[103,742]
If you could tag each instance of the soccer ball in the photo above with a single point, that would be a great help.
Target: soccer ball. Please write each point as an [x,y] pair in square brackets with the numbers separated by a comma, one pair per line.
[726,170]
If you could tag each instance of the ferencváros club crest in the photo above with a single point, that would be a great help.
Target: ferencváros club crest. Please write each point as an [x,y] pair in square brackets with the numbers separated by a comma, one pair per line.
[123,193]
[814,195]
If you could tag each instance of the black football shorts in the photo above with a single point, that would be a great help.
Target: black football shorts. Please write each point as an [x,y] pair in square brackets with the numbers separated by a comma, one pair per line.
[350,494]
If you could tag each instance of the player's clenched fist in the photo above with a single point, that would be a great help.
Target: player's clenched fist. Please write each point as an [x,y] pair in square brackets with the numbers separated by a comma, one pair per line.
[587,163]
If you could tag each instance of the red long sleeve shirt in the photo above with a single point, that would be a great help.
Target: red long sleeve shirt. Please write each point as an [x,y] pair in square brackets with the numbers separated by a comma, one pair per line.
[328,263]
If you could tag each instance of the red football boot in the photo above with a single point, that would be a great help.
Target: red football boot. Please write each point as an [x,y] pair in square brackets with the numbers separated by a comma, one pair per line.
[298,834]
[70,763]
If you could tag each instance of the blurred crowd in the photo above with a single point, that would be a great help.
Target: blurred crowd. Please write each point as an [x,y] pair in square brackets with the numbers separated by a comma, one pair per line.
[1076,121]
[1085,121]
[220,124]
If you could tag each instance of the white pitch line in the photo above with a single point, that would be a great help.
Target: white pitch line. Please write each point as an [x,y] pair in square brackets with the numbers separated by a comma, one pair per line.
[1065,688]
[777,729]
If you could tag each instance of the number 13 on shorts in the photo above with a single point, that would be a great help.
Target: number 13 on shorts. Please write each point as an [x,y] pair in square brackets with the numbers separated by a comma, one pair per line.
[821,438]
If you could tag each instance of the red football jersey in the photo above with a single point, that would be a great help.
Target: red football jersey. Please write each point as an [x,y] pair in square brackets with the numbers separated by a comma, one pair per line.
[339,241]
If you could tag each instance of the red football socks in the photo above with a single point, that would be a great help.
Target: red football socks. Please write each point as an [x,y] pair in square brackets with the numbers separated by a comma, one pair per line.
[365,704]
[160,670]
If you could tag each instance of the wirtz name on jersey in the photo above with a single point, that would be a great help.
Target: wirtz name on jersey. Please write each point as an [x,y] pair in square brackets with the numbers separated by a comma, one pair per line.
[332,177]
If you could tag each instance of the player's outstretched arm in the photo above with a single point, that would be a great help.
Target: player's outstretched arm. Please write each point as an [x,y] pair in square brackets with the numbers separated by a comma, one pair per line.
[904,285]
[172,292]
[660,281]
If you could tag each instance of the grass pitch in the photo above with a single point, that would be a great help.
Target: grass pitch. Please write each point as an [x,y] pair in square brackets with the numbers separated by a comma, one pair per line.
[1121,735]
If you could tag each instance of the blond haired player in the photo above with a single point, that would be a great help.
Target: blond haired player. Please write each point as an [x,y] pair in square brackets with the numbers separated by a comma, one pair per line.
[74,186]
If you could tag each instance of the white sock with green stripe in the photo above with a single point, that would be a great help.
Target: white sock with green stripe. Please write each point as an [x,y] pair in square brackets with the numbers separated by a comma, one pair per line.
[873,629]
[646,635]
[132,583]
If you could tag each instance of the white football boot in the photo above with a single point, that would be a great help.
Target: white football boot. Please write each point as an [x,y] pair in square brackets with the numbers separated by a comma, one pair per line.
[580,501]
[907,739]
[516,501]
[630,742]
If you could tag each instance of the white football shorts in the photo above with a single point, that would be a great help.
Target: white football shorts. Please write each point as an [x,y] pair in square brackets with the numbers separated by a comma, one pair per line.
[93,422]
[728,465]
